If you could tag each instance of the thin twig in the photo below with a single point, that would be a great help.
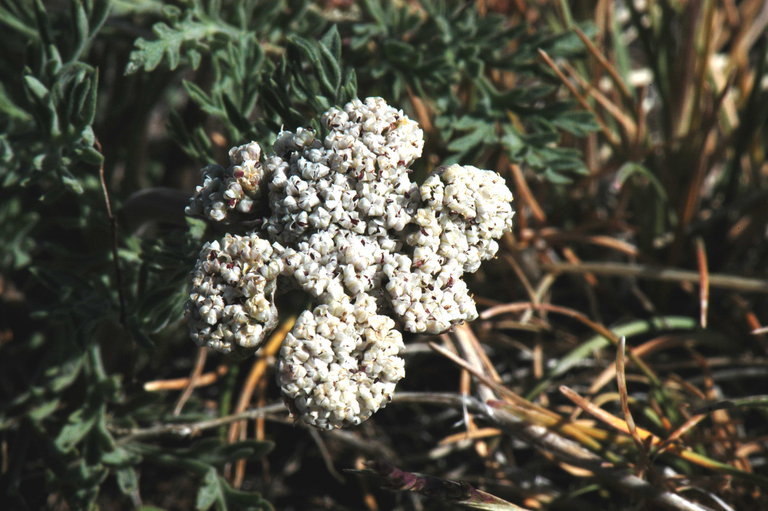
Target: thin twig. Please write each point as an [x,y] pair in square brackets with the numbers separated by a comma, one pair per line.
[326,455]
[194,428]
[197,371]
[113,235]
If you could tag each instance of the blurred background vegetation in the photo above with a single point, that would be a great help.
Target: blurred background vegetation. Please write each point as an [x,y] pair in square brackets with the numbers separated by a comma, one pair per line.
[633,134]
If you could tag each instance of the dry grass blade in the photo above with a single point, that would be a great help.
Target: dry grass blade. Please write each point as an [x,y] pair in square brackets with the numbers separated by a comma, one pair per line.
[471,435]
[733,403]
[525,195]
[237,430]
[571,257]
[597,327]
[117,272]
[654,345]
[679,432]
[470,348]
[474,353]
[421,110]
[574,454]
[520,273]
[625,121]
[552,235]
[208,378]
[257,371]
[530,412]
[605,64]
[621,383]
[609,136]
[656,442]
[701,259]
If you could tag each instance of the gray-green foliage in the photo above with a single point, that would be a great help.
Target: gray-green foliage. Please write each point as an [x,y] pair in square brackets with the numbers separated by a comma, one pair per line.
[269,66]
[64,391]
[47,107]
[70,376]
[445,54]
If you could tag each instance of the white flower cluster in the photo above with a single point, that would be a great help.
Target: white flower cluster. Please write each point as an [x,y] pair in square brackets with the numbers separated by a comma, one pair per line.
[340,363]
[345,223]
[230,304]
[227,194]
[463,211]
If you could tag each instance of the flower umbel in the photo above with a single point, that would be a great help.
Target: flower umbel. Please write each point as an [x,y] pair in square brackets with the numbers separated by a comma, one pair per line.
[340,217]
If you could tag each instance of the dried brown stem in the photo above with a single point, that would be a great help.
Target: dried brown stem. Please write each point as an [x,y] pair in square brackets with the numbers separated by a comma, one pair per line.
[605,64]
[525,193]
[181,383]
[701,259]
[237,430]
[579,97]
[732,282]
[197,371]
[113,237]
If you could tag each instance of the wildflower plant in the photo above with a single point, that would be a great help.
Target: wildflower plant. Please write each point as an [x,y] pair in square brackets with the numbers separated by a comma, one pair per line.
[354,200]
[95,261]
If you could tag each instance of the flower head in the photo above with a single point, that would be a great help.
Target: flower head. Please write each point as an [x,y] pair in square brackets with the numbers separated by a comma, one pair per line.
[230,304]
[341,219]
